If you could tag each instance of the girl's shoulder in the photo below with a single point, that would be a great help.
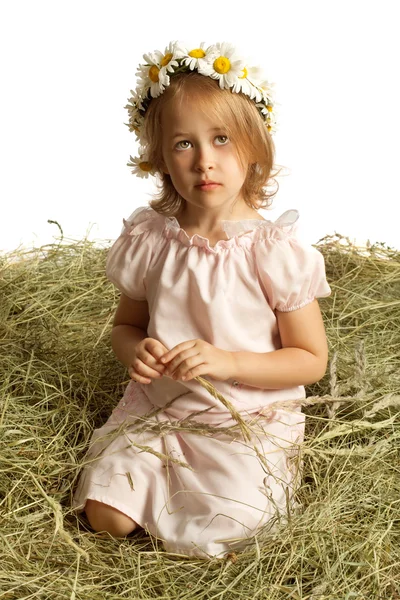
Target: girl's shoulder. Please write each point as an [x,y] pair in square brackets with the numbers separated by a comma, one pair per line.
[130,256]
[142,219]
[285,224]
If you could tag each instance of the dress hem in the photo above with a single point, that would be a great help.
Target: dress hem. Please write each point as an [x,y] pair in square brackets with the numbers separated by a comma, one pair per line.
[168,547]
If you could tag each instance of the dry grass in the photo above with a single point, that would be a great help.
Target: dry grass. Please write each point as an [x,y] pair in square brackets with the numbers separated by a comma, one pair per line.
[59,380]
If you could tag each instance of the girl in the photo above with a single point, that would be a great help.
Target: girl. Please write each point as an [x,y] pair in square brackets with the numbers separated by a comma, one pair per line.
[208,288]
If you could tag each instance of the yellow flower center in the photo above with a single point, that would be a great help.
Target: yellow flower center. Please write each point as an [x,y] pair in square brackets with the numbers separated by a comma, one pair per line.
[197,53]
[222,64]
[245,73]
[145,166]
[153,73]
[269,107]
[166,59]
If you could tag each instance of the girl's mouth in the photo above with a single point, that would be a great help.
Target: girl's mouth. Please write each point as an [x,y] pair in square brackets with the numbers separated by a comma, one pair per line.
[208,186]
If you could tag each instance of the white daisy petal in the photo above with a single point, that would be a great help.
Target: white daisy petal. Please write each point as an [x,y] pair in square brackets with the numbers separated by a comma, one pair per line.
[230,79]
[157,57]
[180,49]
[151,58]
[211,50]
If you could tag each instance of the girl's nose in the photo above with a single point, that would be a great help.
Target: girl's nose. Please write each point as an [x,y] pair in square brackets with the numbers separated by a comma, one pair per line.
[204,160]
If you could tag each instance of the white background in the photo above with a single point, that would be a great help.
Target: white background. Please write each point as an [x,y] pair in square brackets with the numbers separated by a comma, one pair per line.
[67,69]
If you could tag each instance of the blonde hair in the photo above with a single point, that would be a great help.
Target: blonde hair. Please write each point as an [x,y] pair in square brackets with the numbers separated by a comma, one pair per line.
[243,124]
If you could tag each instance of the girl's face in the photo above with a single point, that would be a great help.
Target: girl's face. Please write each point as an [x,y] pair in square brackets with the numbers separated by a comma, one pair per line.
[195,149]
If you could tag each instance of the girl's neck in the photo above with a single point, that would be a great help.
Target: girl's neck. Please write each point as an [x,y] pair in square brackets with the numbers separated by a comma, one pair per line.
[203,222]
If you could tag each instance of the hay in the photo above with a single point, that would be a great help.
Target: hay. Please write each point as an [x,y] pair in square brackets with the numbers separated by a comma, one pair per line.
[60,379]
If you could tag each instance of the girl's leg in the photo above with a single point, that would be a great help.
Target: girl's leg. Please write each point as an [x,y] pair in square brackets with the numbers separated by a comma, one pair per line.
[103,517]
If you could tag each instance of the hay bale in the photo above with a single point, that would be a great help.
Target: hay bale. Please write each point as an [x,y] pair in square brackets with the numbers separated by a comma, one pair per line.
[60,379]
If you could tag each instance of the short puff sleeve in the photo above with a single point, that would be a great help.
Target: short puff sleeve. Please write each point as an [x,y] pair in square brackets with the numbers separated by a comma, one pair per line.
[291,272]
[129,257]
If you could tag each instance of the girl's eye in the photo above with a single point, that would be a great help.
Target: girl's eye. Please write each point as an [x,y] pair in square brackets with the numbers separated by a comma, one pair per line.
[182,147]
[224,139]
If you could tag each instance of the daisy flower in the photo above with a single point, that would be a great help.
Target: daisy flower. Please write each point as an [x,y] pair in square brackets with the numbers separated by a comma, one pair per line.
[195,58]
[221,63]
[136,119]
[271,126]
[246,85]
[269,116]
[136,99]
[168,61]
[141,165]
[152,76]
[268,92]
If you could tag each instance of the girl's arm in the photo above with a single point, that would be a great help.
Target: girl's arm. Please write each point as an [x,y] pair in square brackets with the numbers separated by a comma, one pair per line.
[129,327]
[302,360]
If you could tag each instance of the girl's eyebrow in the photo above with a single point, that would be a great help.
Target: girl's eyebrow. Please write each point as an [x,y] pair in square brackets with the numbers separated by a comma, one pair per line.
[180,133]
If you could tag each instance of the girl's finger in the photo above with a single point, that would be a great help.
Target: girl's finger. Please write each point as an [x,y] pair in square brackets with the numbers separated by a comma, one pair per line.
[190,365]
[176,362]
[138,378]
[151,362]
[144,370]
[168,356]
[194,372]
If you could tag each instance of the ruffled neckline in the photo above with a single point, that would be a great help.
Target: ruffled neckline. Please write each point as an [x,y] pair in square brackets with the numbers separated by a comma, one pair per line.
[241,233]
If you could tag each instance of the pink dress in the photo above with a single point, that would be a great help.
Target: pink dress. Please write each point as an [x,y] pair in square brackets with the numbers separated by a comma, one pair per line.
[204,495]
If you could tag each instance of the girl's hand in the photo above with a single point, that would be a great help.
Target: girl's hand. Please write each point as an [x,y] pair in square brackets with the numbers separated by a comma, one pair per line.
[145,362]
[197,357]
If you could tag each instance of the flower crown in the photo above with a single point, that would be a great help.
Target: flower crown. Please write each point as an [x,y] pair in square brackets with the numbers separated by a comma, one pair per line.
[219,61]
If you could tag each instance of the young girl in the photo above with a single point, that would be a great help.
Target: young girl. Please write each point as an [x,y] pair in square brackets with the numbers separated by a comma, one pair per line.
[208,288]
